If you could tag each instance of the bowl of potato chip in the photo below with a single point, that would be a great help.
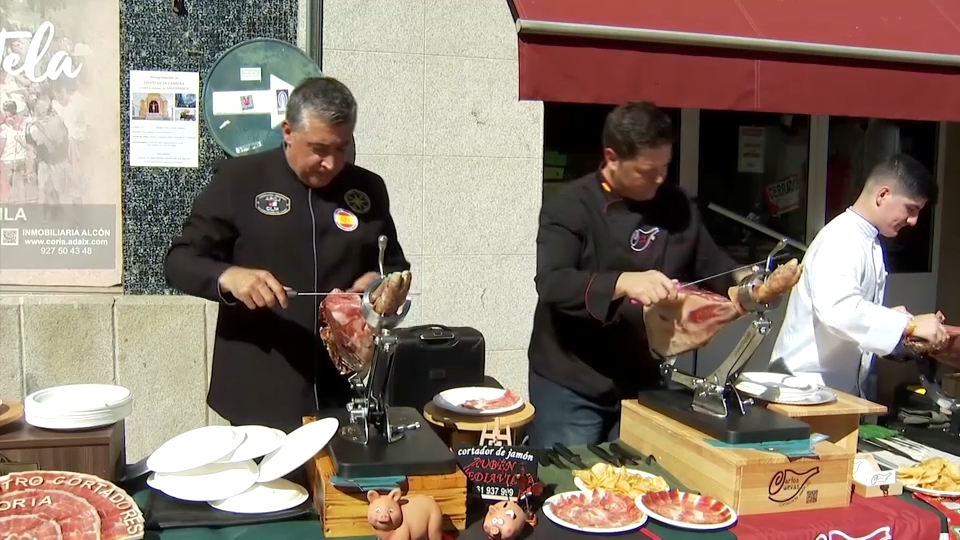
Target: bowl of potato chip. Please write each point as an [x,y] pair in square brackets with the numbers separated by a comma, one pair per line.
[935,476]
[632,482]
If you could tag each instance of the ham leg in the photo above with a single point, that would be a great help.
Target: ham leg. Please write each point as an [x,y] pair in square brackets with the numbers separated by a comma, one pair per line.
[696,316]
[949,353]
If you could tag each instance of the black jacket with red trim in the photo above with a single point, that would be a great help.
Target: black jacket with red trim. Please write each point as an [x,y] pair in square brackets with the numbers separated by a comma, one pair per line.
[583,339]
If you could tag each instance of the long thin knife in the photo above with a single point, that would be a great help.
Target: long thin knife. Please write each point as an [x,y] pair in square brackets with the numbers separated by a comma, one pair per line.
[721,274]
[293,294]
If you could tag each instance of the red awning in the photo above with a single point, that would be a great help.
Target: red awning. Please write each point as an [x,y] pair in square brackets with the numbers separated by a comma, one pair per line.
[871,58]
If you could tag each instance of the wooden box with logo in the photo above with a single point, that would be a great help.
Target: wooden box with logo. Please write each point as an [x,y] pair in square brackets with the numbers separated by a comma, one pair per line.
[750,481]
[343,513]
[100,452]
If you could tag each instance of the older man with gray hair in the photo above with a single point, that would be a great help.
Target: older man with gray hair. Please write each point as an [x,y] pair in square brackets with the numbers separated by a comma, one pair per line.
[299,217]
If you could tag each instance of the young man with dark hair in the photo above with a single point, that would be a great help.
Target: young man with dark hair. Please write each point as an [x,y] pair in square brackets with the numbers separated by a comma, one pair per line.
[610,243]
[835,320]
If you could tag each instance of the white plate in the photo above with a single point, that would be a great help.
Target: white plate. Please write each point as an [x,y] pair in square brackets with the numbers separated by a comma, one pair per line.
[275,496]
[301,445]
[259,441]
[582,487]
[212,482]
[78,399]
[195,448]
[932,492]
[453,399]
[552,517]
[688,526]
[785,389]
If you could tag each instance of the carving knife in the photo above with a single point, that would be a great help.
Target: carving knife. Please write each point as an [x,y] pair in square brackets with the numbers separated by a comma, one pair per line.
[626,457]
[604,455]
[569,456]
[293,294]
[744,267]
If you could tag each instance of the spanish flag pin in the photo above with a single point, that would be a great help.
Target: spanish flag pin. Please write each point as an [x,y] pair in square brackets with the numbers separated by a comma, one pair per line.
[345,220]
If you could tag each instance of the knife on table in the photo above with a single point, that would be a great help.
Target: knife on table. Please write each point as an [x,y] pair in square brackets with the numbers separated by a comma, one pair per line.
[627,458]
[604,455]
[569,456]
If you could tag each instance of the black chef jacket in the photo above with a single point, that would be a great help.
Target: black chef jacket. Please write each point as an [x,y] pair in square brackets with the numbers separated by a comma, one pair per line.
[582,339]
[269,365]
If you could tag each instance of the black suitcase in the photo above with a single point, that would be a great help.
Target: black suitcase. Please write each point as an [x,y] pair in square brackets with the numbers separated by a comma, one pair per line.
[432,358]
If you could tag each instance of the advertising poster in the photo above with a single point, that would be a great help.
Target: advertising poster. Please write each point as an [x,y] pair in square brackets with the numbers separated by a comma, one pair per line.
[60,143]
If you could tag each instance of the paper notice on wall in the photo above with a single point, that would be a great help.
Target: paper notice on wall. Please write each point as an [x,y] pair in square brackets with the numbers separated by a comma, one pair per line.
[784,195]
[750,149]
[164,125]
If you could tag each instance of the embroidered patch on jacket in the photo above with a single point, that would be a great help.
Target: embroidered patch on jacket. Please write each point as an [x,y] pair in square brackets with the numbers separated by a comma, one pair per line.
[271,203]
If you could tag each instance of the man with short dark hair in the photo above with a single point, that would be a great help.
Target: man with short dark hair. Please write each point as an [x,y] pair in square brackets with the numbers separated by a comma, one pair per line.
[610,243]
[835,320]
[298,217]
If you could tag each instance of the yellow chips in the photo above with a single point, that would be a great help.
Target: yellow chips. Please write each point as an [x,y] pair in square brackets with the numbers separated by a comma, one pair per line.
[617,479]
[933,473]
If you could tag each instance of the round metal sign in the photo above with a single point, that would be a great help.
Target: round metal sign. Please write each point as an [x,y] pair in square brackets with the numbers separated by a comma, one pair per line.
[245,95]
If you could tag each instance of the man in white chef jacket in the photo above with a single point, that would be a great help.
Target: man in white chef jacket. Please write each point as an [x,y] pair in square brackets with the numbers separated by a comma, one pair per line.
[835,319]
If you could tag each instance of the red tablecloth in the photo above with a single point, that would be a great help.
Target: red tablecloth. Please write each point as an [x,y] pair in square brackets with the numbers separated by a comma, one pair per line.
[880,518]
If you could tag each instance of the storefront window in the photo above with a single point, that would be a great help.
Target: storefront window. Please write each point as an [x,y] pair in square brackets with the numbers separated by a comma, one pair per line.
[754,165]
[571,142]
[855,146]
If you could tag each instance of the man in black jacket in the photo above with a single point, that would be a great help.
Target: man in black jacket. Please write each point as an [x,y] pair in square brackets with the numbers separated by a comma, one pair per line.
[610,243]
[299,217]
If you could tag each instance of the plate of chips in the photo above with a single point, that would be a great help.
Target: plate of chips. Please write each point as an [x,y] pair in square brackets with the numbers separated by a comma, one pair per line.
[934,476]
[606,477]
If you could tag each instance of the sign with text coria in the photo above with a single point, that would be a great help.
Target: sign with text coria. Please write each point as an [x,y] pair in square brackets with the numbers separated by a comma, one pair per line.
[493,472]
[60,143]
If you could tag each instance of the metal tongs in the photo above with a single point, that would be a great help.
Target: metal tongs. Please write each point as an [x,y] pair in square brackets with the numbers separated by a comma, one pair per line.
[715,393]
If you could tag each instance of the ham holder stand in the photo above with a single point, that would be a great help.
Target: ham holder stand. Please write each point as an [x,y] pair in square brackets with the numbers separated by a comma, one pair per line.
[717,409]
[376,440]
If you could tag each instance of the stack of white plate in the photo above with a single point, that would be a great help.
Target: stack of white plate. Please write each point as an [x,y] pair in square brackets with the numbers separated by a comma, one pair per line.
[78,406]
[215,464]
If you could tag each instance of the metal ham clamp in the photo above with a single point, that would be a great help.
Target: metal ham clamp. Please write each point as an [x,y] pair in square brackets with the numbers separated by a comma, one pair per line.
[370,409]
[717,408]
[377,440]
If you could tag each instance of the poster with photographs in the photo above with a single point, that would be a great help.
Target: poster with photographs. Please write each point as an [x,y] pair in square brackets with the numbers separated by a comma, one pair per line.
[60,143]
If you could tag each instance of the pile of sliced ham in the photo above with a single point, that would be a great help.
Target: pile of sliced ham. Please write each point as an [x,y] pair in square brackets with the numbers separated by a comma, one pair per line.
[508,399]
[597,510]
[53,505]
[696,316]
[687,508]
[346,334]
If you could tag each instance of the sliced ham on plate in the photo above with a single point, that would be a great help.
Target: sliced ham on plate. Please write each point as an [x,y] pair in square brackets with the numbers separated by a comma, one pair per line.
[596,511]
[29,527]
[686,510]
[508,399]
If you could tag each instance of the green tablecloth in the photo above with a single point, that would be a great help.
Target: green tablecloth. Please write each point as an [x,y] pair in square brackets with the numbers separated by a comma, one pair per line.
[557,480]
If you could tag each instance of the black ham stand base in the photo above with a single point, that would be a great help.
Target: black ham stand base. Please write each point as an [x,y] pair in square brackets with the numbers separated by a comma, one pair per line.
[420,452]
[756,426]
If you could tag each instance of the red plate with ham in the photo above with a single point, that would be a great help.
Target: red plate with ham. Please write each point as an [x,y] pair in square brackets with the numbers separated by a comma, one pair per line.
[686,510]
[594,511]
[53,505]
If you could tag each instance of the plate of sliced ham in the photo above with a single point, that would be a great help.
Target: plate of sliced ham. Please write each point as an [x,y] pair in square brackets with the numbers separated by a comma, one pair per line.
[478,401]
[686,510]
[596,511]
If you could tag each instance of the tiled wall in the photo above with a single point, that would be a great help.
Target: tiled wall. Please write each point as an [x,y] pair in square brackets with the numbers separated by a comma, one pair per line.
[440,120]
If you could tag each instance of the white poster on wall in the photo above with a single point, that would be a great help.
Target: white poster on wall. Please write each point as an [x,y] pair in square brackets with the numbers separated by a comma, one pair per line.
[60,143]
[750,149]
[164,125]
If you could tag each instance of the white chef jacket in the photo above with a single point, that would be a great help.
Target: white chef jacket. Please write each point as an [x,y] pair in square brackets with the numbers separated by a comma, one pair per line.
[835,321]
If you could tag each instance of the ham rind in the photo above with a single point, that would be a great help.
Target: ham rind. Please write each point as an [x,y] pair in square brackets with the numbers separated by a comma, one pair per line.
[29,527]
[78,519]
[120,517]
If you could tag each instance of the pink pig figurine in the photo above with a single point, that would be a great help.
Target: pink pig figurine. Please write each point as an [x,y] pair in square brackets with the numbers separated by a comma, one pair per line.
[504,521]
[397,517]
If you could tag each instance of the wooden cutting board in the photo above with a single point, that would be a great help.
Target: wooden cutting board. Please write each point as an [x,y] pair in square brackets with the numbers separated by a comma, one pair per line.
[10,411]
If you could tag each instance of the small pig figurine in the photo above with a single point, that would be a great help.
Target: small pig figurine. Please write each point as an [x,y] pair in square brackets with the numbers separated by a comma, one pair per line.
[504,521]
[394,517]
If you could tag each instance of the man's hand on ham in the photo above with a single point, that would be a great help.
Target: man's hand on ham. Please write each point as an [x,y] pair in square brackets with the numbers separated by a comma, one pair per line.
[647,288]
[255,288]
[363,282]
[930,328]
